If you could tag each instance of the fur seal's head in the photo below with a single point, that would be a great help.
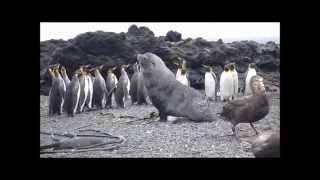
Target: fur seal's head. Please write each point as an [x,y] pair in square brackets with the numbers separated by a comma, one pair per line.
[252,65]
[146,62]
[257,85]
[152,65]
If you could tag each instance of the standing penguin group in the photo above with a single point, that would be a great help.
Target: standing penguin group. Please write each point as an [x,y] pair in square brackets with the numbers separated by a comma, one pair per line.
[229,82]
[86,91]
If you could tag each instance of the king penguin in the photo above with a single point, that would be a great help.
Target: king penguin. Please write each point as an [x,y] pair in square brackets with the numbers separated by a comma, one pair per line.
[134,84]
[111,84]
[72,95]
[123,88]
[88,78]
[84,89]
[182,74]
[250,73]
[226,84]
[99,89]
[210,83]
[57,92]
[65,76]
[234,73]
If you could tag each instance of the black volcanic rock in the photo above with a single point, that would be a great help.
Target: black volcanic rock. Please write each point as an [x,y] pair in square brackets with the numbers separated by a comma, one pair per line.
[173,36]
[142,31]
[114,49]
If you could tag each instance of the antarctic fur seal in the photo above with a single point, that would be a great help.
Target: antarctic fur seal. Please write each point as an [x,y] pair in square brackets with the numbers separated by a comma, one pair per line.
[168,95]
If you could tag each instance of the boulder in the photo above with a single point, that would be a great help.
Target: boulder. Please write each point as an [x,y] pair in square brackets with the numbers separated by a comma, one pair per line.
[173,36]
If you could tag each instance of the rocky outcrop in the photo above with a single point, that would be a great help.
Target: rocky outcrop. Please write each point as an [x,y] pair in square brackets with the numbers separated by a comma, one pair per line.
[114,49]
[173,36]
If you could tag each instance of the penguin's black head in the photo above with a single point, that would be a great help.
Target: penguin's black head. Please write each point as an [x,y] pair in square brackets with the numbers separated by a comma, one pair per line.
[184,67]
[63,70]
[111,69]
[86,68]
[226,68]
[232,66]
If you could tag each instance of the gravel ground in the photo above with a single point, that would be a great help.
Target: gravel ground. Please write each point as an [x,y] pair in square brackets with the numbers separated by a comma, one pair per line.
[160,139]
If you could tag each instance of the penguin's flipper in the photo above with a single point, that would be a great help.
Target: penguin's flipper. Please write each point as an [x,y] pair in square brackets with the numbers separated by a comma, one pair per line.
[245,81]
[214,76]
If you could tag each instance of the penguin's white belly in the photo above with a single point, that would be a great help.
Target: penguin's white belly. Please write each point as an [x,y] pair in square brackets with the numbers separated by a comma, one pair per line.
[64,92]
[178,74]
[86,86]
[77,100]
[86,92]
[235,82]
[210,85]
[128,86]
[90,85]
[183,79]
[249,76]
[226,85]
[64,86]
[115,80]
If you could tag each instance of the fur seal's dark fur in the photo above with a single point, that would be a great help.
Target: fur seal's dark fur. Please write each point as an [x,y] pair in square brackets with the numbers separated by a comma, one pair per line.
[169,96]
